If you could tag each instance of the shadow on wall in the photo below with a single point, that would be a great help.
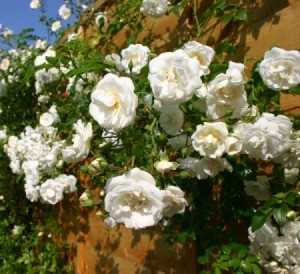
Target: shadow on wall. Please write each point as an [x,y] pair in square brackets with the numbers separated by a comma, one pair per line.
[259,14]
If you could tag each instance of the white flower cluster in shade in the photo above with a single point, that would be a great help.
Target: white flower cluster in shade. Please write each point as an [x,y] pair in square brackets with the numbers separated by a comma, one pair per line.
[154,8]
[134,199]
[10,66]
[39,152]
[277,252]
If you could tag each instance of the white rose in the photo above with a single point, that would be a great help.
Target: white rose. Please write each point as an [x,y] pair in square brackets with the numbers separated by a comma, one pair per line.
[189,165]
[41,59]
[56,26]
[280,69]
[226,93]
[203,54]
[3,134]
[4,65]
[32,175]
[154,8]
[64,12]
[208,167]
[35,4]
[181,141]
[210,139]
[51,191]
[137,55]
[171,119]
[174,201]
[290,154]
[266,137]
[264,236]
[46,119]
[114,102]
[81,143]
[234,73]
[291,175]
[68,182]
[291,229]
[258,189]
[32,193]
[233,145]
[286,250]
[174,77]
[133,199]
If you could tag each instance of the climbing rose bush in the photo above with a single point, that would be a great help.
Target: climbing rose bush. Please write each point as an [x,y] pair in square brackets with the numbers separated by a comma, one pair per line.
[179,139]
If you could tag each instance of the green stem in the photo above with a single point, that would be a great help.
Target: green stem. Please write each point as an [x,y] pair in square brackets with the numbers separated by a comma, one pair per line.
[199,31]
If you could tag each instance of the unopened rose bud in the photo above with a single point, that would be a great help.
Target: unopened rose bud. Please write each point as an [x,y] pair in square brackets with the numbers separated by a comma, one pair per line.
[102,193]
[60,163]
[99,213]
[291,214]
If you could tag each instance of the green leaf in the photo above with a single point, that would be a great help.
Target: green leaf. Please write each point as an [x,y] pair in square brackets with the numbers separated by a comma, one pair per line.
[227,18]
[224,257]
[226,250]
[235,263]
[256,269]
[271,202]
[293,199]
[295,90]
[246,267]
[251,259]
[279,215]
[52,60]
[260,218]
[242,15]
[242,253]
[202,260]
[217,270]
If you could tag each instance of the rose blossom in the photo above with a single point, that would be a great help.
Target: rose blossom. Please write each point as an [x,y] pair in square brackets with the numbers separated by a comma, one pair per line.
[280,69]
[154,8]
[174,77]
[174,201]
[56,26]
[203,54]
[64,12]
[51,191]
[226,93]
[133,199]
[137,55]
[35,4]
[208,167]
[4,64]
[258,189]
[171,119]
[114,102]
[68,182]
[266,137]
[81,143]
[210,139]
[286,250]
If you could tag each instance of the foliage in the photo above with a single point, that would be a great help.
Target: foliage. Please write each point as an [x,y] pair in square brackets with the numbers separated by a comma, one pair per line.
[217,204]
